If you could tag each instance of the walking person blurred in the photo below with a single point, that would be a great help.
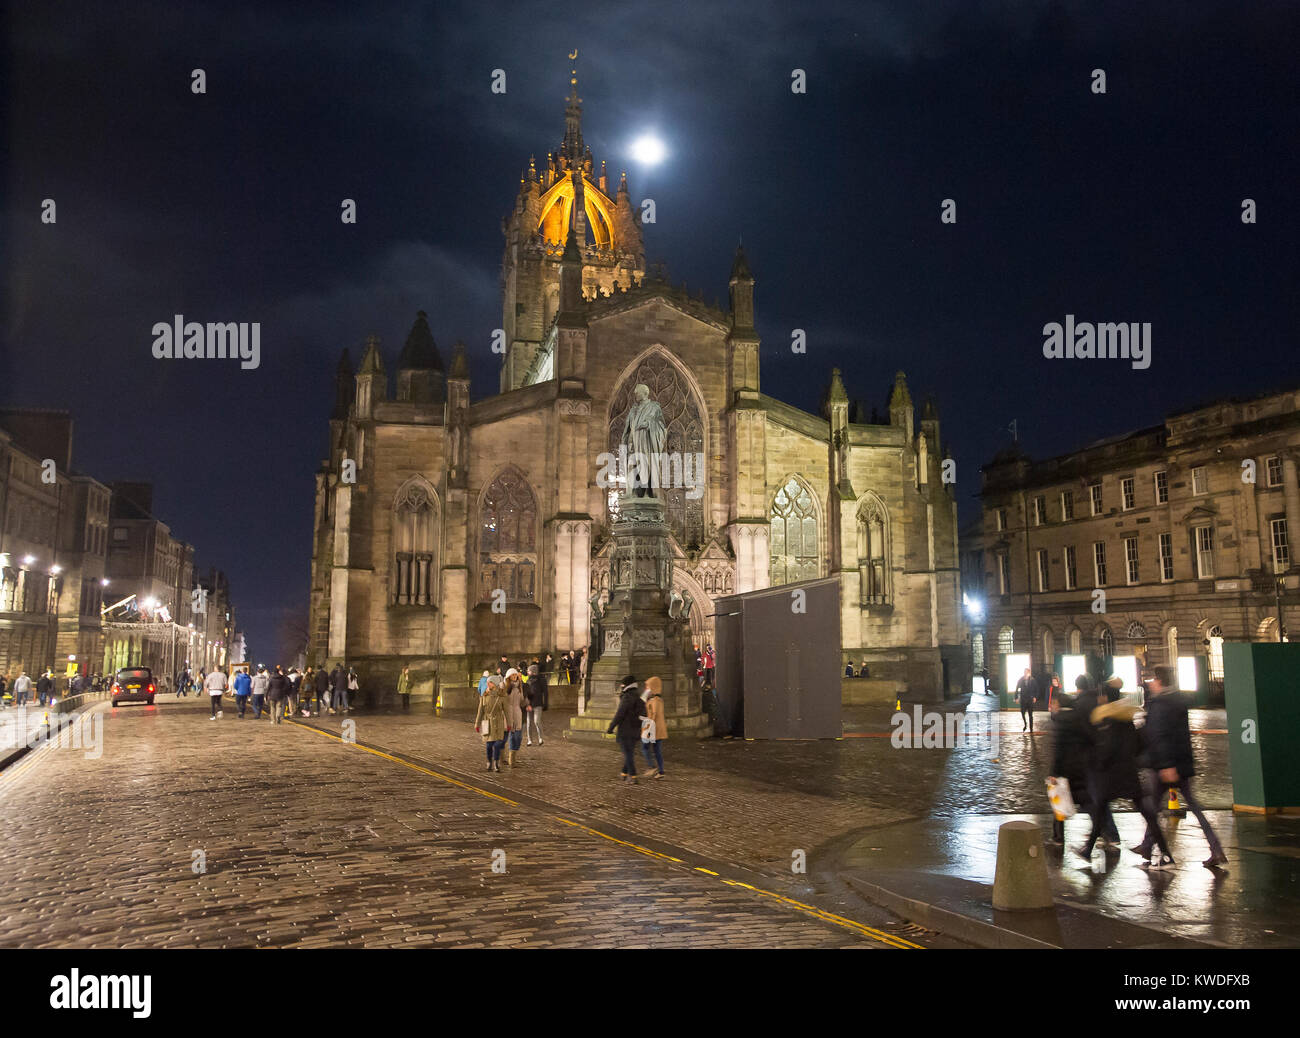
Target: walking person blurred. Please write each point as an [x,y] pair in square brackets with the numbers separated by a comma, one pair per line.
[278,690]
[243,686]
[339,687]
[1026,697]
[1167,752]
[404,688]
[45,686]
[627,724]
[354,687]
[261,682]
[483,683]
[215,683]
[514,714]
[536,703]
[654,712]
[295,685]
[321,686]
[490,721]
[22,688]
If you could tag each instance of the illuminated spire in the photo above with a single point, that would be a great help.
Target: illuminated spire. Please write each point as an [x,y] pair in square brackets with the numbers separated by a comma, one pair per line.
[573,148]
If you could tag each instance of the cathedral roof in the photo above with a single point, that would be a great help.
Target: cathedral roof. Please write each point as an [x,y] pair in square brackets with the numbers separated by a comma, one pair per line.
[420,351]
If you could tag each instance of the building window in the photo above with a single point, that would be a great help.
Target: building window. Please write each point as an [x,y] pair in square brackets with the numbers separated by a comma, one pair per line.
[1099,564]
[1040,511]
[1131,559]
[1076,644]
[1273,471]
[1004,574]
[1001,515]
[1204,539]
[1200,480]
[1071,570]
[1006,641]
[1106,643]
[508,539]
[1044,579]
[415,572]
[1067,504]
[1171,646]
[1281,547]
[794,534]
[1127,497]
[1166,557]
[1094,496]
[119,534]
[1162,487]
[874,573]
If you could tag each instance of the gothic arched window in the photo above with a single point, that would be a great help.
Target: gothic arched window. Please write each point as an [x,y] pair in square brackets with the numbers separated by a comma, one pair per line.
[794,534]
[1006,641]
[669,388]
[877,586]
[507,540]
[415,544]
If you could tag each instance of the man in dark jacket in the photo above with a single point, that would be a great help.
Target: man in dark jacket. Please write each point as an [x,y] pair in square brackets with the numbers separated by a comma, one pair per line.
[339,684]
[1027,696]
[536,702]
[1167,751]
[278,691]
[44,687]
[322,689]
[627,723]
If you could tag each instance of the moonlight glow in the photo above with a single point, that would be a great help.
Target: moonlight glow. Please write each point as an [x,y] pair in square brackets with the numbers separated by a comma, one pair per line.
[648,150]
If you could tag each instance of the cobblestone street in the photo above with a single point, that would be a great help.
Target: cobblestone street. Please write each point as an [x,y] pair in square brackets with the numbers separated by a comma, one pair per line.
[307,841]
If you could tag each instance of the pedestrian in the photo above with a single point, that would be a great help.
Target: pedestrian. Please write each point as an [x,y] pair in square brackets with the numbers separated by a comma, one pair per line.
[514,714]
[848,670]
[354,687]
[4,690]
[339,688]
[22,687]
[483,683]
[45,686]
[1054,690]
[1167,752]
[655,727]
[710,663]
[536,703]
[404,688]
[215,683]
[548,664]
[243,687]
[627,725]
[308,689]
[261,683]
[321,688]
[1027,696]
[503,665]
[278,690]
[1071,746]
[295,686]
[490,721]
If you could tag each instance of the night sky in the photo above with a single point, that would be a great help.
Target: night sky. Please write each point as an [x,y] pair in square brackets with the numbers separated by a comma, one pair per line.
[225,207]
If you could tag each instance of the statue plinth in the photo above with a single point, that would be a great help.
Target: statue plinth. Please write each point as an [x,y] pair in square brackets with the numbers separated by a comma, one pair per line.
[637,634]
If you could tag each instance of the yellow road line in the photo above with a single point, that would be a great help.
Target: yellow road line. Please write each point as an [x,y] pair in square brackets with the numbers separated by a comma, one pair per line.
[408,764]
[817,913]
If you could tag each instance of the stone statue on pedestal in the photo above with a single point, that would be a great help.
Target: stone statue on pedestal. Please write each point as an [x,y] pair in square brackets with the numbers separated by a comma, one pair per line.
[644,436]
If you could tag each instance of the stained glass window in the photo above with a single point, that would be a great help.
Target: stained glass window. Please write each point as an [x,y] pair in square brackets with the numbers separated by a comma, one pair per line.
[508,539]
[794,534]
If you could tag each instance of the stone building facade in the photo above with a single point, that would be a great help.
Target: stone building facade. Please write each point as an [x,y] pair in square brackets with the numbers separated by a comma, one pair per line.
[449,531]
[1185,526]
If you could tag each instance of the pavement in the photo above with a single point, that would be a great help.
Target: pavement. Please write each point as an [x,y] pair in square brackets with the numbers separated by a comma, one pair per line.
[389,838]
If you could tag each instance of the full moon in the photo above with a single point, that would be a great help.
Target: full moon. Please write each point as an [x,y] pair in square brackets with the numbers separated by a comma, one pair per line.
[648,149]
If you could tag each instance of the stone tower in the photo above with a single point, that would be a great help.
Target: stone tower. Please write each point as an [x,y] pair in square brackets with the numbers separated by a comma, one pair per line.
[567,193]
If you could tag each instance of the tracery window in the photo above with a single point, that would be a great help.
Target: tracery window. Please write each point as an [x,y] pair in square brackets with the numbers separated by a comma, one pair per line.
[794,534]
[507,541]
[415,570]
[685,439]
[873,552]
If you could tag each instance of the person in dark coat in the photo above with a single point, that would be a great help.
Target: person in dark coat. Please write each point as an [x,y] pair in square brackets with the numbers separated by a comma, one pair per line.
[535,696]
[339,688]
[278,689]
[1027,696]
[322,688]
[1167,751]
[627,725]
[1071,745]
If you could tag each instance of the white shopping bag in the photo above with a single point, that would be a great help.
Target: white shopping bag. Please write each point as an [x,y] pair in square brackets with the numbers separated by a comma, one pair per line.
[1058,792]
[647,729]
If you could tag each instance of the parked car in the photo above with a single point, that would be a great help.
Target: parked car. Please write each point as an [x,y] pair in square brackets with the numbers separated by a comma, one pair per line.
[133,685]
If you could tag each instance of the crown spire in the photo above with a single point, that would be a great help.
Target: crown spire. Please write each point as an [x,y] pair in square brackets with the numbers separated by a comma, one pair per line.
[573,148]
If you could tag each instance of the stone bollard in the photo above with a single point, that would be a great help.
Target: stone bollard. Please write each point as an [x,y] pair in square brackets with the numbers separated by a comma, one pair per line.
[1021,882]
